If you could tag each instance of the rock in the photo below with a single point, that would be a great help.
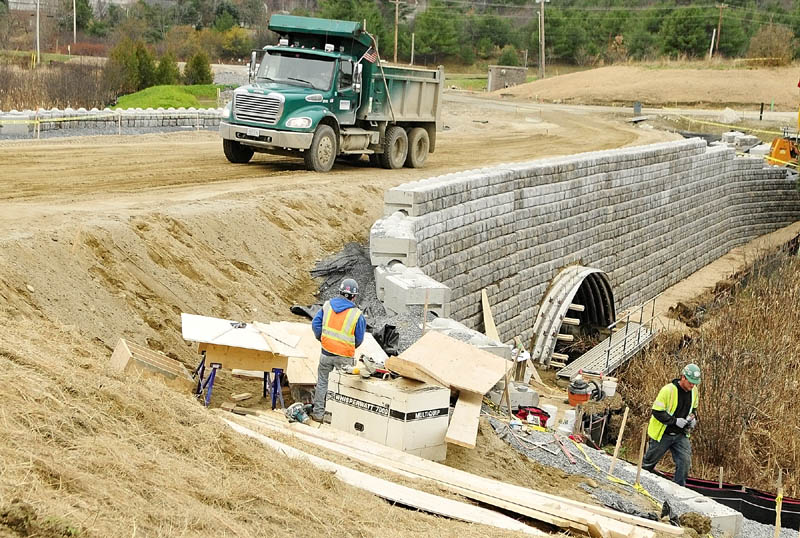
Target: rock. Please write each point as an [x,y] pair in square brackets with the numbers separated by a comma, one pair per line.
[591,483]
[30,288]
[729,116]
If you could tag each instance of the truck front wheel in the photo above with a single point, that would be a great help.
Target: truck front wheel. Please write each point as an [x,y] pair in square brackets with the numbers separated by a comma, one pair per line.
[322,153]
[236,152]
[395,147]
[418,145]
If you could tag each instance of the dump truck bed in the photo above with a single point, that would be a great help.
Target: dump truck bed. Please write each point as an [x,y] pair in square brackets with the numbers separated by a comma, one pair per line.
[414,94]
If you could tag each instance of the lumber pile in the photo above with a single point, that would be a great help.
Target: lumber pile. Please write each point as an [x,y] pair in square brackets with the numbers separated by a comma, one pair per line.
[569,515]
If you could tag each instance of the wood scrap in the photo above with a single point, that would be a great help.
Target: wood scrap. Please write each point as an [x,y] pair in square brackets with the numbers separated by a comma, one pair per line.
[456,364]
[241,396]
[131,358]
[489,327]
[397,493]
[463,429]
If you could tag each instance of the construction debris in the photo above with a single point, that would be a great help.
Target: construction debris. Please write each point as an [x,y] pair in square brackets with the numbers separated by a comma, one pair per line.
[131,358]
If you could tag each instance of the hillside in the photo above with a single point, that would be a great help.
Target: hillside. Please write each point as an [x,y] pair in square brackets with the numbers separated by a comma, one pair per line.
[668,85]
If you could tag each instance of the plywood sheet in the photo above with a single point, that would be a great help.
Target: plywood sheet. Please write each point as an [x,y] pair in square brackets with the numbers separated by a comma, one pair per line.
[241,358]
[407,369]
[463,429]
[456,364]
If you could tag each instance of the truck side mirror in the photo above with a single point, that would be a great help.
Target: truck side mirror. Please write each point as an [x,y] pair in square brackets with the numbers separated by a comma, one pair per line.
[252,71]
[357,78]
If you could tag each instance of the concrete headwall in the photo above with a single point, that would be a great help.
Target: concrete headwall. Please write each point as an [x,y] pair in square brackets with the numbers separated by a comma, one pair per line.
[648,216]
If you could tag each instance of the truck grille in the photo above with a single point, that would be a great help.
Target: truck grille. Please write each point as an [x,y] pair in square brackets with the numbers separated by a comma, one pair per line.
[258,108]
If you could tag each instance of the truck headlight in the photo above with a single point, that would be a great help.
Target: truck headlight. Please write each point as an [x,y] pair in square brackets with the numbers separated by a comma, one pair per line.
[226,112]
[298,123]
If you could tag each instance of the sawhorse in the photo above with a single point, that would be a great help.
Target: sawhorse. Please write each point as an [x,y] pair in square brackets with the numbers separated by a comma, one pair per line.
[274,386]
[205,385]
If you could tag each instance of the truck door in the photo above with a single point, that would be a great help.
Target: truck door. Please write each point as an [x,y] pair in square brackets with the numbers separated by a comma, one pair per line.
[346,101]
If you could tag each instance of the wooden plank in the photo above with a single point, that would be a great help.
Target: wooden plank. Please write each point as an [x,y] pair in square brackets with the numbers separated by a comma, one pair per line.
[489,327]
[408,369]
[397,493]
[549,508]
[463,429]
[241,358]
[456,364]
[241,396]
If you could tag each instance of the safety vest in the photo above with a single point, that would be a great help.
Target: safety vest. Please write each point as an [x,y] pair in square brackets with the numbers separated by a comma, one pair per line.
[339,330]
[667,400]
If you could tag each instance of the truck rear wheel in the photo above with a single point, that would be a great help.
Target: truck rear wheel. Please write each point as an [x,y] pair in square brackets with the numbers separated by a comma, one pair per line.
[395,148]
[322,153]
[236,152]
[418,145]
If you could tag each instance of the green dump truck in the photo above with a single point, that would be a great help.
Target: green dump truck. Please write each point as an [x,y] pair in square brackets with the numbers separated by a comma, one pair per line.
[323,93]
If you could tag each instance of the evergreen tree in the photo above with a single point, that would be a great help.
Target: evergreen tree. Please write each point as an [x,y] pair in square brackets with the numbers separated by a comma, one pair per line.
[121,71]
[437,30]
[167,71]
[146,66]
[198,70]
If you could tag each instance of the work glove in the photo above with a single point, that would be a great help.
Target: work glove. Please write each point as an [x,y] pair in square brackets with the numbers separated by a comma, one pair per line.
[681,422]
[691,422]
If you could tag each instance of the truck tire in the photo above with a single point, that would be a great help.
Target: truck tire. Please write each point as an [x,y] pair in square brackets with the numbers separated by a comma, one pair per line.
[395,147]
[236,152]
[418,146]
[322,153]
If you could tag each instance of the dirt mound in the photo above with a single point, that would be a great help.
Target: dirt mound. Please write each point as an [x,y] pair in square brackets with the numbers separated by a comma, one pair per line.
[666,86]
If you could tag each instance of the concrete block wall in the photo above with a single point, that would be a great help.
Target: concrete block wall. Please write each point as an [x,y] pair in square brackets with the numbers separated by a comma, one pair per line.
[648,216]
[15,123]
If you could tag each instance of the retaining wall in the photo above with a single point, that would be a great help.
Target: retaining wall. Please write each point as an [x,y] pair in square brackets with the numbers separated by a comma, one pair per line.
[648,216]
[15,123]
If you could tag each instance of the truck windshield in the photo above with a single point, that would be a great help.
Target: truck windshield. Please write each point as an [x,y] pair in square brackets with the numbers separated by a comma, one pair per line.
[297,69]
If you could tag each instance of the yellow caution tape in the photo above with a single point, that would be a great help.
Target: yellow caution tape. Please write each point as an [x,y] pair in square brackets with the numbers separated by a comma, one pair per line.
[115,115]
[637,487]
[703,122]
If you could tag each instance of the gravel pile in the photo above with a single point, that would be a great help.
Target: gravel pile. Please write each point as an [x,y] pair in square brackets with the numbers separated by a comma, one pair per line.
[353,262]
[521,442]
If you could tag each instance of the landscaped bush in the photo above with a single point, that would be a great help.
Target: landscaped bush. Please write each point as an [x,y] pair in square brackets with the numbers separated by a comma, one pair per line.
[167,72]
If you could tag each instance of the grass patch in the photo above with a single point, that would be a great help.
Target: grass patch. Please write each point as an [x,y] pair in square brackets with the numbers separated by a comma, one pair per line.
[47,57]
[200,96]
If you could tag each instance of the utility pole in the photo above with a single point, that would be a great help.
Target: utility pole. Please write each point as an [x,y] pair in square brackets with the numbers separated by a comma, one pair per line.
[719,27]
[541,37]
[412,48]
[74,23]
[396,24]
[38,59]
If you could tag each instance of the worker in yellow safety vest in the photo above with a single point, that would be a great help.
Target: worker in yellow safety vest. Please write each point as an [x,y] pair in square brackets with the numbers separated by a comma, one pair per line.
[340,328]
[671,423]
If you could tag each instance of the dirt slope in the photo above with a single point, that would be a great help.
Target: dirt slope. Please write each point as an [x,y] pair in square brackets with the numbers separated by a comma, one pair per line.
[668,86]
[109,237]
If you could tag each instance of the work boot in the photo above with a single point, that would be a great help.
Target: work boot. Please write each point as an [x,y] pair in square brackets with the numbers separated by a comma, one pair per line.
[317,418]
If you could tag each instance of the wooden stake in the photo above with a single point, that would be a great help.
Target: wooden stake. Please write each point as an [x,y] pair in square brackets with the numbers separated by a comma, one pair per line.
[641,453]
[720,477]
[778,503]
[425,311]
[619,441]
[507,396]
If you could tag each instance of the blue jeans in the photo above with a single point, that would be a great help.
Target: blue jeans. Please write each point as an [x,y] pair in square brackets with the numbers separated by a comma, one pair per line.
[326,366]
[681,450]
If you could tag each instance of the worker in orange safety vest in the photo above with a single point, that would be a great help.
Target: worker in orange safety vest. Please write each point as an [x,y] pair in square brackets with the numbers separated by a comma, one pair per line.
[340,328]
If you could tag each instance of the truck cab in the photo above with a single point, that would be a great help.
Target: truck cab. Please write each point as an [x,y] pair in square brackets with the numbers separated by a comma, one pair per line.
[321,93]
